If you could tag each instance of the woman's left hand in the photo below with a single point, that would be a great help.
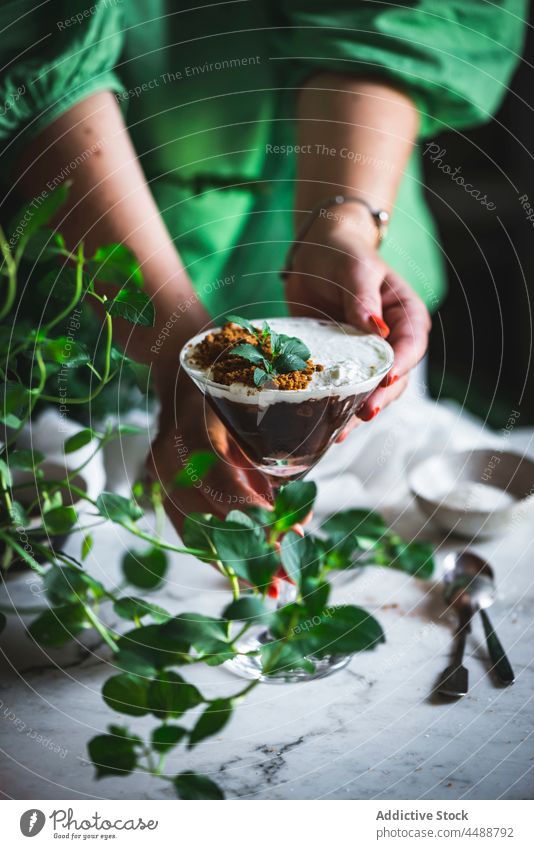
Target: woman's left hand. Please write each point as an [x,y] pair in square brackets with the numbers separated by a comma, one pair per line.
[338,274]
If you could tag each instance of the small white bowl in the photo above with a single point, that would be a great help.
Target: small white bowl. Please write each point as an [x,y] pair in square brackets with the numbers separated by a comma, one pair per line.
[477,493]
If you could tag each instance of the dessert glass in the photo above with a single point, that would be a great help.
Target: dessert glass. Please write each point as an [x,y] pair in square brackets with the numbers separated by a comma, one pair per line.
[284,433]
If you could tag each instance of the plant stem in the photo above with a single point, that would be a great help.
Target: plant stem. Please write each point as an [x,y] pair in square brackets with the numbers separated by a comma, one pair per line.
[104,632]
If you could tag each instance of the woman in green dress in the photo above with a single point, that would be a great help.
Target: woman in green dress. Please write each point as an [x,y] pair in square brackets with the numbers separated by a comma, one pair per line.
[202,138]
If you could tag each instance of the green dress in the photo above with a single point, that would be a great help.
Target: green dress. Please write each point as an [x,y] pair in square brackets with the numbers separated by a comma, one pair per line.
[209,92]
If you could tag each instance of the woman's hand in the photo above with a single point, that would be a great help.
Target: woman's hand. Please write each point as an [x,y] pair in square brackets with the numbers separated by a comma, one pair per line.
[338,274]
[188,424]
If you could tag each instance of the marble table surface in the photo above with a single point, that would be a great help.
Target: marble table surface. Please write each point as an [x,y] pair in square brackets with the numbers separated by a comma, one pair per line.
[370,731]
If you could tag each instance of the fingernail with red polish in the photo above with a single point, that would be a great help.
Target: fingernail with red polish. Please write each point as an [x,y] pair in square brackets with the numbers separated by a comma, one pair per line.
[390,379]
[368,416]
[380,325]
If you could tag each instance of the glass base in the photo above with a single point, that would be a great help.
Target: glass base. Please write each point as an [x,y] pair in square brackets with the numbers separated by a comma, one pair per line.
[250,666]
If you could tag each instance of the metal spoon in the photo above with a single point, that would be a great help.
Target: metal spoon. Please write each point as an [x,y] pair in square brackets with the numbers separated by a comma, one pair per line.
[472,578]
[454,680]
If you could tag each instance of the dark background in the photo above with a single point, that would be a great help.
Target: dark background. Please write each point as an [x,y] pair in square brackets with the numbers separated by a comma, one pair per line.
[481,342]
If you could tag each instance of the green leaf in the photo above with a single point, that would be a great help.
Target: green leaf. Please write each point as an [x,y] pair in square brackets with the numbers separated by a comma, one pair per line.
[197,531]
[341,630]
[133,305]
[198,465]
[60,625]
[350,523]
[131,661]
[78,440]
[145,569]
[36,213]
[247,608]
[115,264]
[18,515]
[87,545]
[260,377]
[14,398]
[279,657]
[112,755]
[213,720]
[43,246]
[166,737]
[415,558]
[293,550]
[64,351]
[242,322]
[25,460]
[170,696]
[69,584]
[131,608]
[293,503]
[293,347]
[154,645]
[5,473]
[192,786]
[250,353]
[58,286]
[205,634]
[3,622]
[285,363]
[242,550]
[117,508]
[127,693]
[59,520]
[63,584]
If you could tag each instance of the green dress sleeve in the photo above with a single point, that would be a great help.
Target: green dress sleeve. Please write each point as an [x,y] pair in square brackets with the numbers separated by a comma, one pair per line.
[454,58]
[53,55]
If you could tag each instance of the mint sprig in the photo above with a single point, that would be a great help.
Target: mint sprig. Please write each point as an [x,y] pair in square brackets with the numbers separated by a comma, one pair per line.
[288,353]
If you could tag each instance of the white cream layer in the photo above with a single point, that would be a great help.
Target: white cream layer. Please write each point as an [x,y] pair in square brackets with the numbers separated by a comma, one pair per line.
[353,362]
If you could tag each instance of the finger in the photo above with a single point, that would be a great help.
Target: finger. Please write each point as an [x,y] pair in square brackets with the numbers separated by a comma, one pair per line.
[380,398]
[354,422]
[410,325]
[362,281]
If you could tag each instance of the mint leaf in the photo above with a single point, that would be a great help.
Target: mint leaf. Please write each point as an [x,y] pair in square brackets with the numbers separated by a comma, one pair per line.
[249,352]
[285,363]
[292,346]
[242,322]
[260,377]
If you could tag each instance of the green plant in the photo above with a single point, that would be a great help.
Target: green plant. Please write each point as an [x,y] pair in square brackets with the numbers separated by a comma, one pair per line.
[273,354]
[253,549]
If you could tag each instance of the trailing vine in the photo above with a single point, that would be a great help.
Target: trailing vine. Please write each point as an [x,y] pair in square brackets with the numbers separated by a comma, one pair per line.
[254,550]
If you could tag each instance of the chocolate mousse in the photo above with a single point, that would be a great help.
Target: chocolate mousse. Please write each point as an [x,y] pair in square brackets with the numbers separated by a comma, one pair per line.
[284,407]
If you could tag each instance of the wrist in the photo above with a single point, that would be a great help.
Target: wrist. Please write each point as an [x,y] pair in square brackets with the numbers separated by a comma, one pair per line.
[351,219]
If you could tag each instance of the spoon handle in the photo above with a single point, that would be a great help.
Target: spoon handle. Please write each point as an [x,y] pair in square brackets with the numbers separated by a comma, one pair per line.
[501,664]
[454,680]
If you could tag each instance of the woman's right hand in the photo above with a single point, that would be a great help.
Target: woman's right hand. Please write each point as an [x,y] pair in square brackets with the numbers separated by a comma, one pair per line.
[187,424]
